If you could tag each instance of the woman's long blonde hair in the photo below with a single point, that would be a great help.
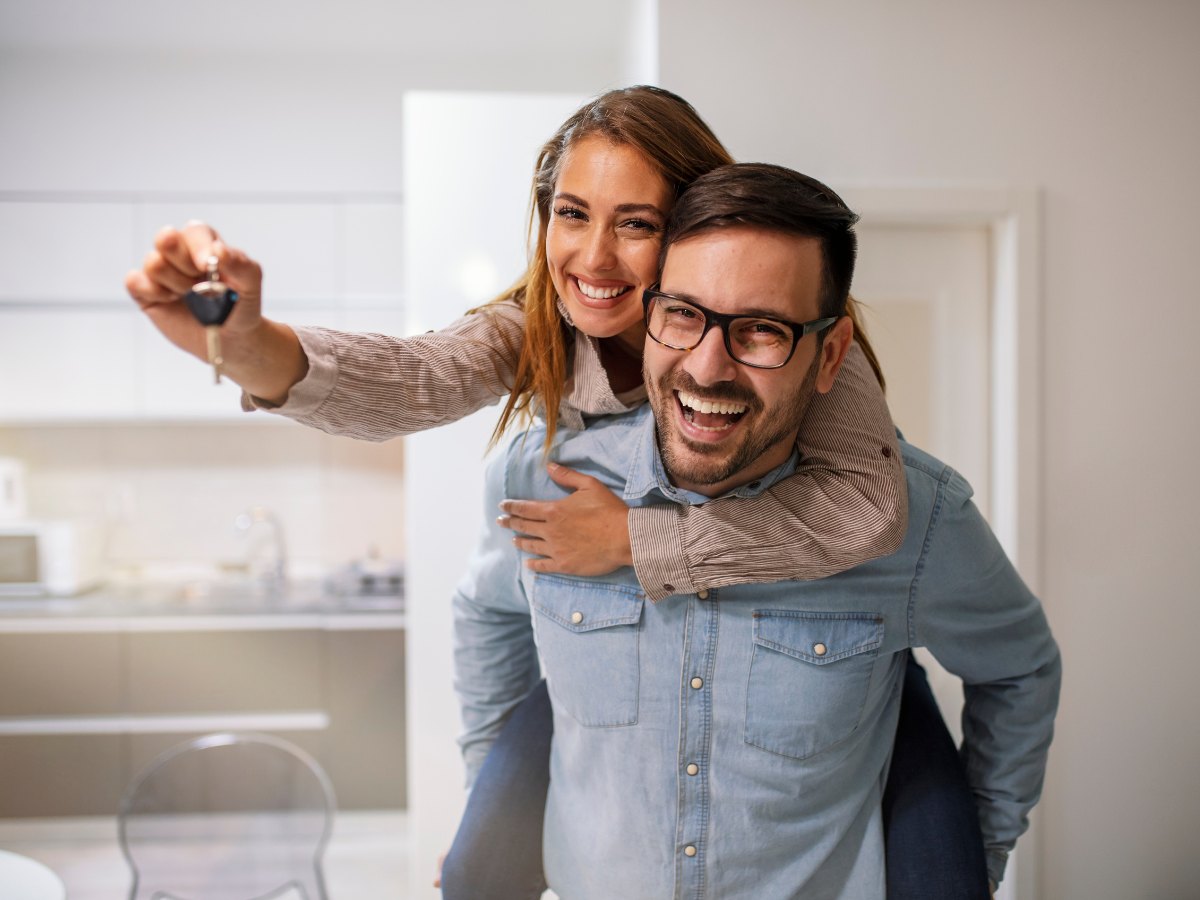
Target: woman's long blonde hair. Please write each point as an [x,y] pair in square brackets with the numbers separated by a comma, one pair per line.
[681,147]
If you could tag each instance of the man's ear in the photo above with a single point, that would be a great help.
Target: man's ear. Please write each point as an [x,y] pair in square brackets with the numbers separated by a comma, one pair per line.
[833,352]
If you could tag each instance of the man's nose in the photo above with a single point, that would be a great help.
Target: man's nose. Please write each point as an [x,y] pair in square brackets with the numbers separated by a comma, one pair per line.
[709,362]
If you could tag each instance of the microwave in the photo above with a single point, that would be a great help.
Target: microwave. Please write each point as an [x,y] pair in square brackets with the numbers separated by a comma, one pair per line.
[50,557]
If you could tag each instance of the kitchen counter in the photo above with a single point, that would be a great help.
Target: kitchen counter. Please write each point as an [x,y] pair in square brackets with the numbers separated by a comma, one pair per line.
[188,606]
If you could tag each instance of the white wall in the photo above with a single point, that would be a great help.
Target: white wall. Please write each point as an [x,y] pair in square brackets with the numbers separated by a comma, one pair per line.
[219,120]
[168,494]
[1095,104]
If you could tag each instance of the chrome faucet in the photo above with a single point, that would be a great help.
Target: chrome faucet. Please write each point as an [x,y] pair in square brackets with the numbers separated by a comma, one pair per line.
[274,576]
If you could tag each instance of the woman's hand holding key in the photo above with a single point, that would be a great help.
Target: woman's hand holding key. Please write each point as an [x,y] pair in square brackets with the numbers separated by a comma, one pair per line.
[262,356]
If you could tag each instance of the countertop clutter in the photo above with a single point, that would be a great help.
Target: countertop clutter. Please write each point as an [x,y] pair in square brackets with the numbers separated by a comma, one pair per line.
[218,604]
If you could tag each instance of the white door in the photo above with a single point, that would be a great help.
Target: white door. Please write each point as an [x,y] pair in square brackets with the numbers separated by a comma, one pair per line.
[925,292]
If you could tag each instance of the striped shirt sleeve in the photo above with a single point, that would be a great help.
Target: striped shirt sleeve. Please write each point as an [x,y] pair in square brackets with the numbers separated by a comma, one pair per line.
[375,387]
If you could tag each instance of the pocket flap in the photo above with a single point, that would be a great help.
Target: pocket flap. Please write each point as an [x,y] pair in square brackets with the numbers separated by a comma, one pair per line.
[818,638]
[586,605]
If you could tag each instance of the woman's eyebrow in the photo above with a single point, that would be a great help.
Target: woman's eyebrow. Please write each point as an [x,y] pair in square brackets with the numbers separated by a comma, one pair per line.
[621,208]
[640,207]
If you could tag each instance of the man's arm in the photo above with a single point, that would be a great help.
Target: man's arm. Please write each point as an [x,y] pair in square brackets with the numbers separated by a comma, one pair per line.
[495,659]
[977,617]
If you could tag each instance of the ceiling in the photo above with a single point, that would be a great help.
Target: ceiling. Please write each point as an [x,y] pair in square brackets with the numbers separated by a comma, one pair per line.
[318,26]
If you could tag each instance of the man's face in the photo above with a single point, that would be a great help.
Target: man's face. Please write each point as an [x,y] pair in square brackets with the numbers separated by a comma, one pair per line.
[757,412]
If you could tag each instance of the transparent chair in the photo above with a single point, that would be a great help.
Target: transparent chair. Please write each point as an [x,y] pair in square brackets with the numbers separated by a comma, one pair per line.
[228,816]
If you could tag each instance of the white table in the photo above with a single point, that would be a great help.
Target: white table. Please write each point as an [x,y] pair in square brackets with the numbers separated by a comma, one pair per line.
[22,878]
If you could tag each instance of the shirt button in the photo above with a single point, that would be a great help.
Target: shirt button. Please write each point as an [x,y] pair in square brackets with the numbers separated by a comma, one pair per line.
[703,595]
[697,682]
[689,850]
[693,769]
[576,618]
[818,649]
[669,587]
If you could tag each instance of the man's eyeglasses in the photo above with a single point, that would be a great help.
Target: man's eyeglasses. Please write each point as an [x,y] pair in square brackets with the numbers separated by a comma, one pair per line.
[762,342]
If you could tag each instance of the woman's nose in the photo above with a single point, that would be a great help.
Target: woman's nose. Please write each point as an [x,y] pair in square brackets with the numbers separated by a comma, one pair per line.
[600,253]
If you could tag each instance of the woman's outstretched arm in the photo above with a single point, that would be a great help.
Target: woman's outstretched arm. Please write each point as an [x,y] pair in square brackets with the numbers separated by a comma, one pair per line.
[368,386]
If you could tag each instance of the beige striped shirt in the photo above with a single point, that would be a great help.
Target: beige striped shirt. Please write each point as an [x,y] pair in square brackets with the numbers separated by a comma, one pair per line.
[846,504]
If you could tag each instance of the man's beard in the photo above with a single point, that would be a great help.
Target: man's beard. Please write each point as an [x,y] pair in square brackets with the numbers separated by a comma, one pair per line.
[703,463]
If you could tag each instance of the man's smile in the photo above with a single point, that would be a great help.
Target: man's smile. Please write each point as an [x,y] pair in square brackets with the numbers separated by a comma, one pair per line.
[708,420]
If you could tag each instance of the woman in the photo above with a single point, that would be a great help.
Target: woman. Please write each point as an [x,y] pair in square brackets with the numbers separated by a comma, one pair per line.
[567,338]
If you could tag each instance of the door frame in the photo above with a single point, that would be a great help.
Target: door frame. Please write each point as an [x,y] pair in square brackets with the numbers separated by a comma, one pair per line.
[1013,218]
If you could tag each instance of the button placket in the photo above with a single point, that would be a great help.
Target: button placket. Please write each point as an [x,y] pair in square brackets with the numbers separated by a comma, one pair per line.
[703,623]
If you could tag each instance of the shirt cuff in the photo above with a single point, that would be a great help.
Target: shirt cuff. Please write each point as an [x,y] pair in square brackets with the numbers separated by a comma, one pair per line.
[658,559]
[310,392]
[997,861]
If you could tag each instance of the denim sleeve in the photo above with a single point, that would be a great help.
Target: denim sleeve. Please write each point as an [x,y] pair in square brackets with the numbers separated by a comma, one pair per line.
[495,658]
[975,614]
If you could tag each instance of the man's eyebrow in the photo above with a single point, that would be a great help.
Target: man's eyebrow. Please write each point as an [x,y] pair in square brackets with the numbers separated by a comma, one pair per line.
[757,312]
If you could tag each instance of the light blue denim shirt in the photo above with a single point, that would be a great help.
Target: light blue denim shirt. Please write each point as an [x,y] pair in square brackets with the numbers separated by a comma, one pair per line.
[735,743]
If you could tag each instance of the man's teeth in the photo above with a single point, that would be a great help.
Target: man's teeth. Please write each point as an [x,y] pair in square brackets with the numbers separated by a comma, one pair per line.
[691,401]
[598,293]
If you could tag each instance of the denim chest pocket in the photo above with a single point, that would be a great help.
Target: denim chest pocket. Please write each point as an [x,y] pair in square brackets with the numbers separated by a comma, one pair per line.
[809,678]
[588,635]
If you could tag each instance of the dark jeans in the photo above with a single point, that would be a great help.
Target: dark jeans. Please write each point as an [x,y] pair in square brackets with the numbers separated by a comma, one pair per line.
[931,826]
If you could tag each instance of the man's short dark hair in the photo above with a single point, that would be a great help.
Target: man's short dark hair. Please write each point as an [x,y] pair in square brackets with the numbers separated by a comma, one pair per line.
[774,198]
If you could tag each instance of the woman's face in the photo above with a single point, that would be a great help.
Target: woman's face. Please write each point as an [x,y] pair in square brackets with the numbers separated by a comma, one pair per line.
[606,224]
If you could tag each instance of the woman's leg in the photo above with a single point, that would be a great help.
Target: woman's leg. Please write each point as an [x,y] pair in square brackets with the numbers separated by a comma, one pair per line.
[497,852]
[930,821]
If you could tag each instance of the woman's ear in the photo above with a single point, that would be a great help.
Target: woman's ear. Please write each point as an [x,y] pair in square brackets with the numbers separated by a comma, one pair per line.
[833,352]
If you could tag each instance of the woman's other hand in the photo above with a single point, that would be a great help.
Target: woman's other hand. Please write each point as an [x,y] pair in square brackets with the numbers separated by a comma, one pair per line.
[263,357]
[585,533]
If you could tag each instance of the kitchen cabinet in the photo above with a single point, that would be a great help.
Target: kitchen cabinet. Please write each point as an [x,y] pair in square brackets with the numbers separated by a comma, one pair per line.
[74,364]
[86,702]
[74,347]
[65,249]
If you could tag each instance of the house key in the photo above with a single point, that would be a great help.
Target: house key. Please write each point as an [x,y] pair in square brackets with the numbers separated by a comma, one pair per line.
[211,302]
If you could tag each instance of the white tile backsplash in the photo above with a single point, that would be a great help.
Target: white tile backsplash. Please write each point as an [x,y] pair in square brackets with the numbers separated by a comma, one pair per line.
[170,492]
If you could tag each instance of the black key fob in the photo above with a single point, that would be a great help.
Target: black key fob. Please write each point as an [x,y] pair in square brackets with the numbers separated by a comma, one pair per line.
[211,302]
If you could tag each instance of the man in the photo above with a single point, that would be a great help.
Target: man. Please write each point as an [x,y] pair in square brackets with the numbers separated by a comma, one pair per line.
[735,742]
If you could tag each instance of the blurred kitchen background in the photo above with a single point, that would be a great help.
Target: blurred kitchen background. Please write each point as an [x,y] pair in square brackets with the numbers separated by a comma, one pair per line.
[1039,155]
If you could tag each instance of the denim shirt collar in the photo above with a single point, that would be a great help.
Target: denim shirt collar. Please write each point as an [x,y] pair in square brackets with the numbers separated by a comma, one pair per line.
[647,476]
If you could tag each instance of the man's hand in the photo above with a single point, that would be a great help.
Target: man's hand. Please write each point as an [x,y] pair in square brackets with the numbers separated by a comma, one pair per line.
[437,879]
[586,533]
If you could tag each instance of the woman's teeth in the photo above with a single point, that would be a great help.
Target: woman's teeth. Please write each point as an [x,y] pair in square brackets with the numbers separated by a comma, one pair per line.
[598,293]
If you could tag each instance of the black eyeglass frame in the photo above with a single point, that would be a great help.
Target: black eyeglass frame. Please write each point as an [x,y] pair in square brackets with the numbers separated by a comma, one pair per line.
[798,329]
